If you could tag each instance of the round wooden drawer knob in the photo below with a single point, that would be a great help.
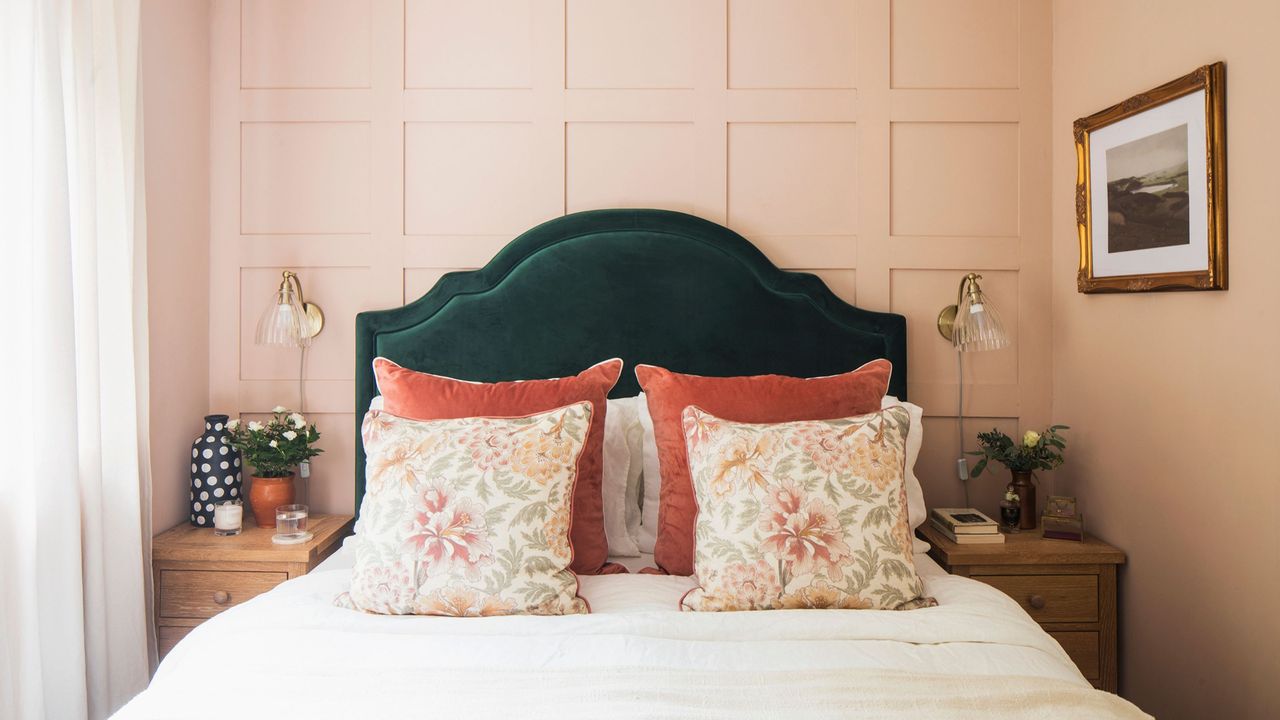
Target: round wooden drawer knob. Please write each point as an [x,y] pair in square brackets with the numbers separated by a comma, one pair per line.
[222,597]
[1036,601]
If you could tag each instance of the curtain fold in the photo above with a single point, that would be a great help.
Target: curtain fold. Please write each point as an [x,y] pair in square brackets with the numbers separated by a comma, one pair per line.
[75,486]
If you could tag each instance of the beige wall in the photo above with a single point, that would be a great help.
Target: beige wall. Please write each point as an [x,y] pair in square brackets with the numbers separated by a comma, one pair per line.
[373,145]
[1171,396]
[175,66]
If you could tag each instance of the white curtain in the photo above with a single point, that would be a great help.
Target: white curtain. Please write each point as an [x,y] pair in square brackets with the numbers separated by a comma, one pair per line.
[74,485]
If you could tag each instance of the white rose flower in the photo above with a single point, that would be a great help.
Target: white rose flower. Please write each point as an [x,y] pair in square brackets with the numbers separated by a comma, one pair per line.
[233,424]
[255,426]
[290,435]
[1031,438]
[298,421]
[279,409]
[273,443]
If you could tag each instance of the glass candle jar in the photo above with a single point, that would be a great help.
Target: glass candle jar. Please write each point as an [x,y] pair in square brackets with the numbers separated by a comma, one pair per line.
[227,518]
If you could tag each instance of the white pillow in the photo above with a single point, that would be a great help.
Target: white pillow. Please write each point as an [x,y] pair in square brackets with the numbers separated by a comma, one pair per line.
[635,469]
[651,483]
[915,493]
[617,484]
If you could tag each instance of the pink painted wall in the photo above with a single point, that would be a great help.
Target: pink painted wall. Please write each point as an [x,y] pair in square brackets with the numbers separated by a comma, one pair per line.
[175,67]
[889,146]
[373,145]
[1170,395]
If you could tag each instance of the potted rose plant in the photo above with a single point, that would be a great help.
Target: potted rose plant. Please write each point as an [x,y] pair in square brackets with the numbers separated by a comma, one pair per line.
[274,448]
[1036,451]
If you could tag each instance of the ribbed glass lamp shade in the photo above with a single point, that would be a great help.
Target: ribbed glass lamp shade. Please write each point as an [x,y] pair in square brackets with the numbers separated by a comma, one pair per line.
[283,322]
[977,324]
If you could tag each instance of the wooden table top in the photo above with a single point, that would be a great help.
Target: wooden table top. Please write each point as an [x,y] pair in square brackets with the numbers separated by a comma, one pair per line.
[1024,548]
[186,542]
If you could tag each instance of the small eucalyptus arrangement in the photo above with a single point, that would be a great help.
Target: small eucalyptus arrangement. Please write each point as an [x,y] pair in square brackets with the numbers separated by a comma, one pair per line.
[277,447]
[1037,450]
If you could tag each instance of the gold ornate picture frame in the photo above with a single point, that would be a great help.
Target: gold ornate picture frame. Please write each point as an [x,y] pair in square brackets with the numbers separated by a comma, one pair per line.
[1151,189]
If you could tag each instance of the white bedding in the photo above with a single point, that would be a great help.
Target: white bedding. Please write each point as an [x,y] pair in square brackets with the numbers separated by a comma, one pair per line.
[290,652]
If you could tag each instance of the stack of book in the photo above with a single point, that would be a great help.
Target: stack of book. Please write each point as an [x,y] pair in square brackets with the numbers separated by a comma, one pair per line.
[965,526]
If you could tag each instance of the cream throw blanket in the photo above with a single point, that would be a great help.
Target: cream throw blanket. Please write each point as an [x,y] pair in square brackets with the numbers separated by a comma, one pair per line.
[705,695]
[292,653]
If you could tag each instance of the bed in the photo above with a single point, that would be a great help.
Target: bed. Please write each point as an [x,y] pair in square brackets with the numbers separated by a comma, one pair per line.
[647,286]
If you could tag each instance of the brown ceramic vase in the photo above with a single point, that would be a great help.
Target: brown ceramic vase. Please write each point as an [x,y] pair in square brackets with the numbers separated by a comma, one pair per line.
[1027,496]
[268,493]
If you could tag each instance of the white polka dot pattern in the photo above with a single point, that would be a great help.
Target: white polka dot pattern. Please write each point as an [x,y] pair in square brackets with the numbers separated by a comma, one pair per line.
[213,481]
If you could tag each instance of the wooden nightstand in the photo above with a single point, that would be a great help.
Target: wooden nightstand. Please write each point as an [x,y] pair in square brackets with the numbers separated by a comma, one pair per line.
[1068,587]
[198,574]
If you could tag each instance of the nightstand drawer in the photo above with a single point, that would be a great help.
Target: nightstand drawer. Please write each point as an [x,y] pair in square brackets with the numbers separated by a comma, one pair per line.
[205,593]
[167,637]
[1083,649]
[1050,598]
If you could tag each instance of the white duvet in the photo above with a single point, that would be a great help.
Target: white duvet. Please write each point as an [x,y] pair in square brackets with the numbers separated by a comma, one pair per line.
[291,653]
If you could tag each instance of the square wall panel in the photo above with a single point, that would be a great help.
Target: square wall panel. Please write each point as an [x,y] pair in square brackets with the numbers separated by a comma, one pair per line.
[472,44]
[628,44]
[304,177]
[468,178]
[954,179]
[936,467]
[305,43]
[330,488]
[624,164]
[955,44]
[340,293]
[793,178]
[791,44]
[921,294]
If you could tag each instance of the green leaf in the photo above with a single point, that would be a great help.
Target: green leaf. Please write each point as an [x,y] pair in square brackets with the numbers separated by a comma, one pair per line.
[540,564]
[878,515]
[531,513]
[749,515]
[493,515]
[845,517]
[723,549]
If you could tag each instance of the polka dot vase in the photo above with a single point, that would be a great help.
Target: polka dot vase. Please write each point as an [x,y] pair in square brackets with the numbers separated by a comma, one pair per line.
[215,471]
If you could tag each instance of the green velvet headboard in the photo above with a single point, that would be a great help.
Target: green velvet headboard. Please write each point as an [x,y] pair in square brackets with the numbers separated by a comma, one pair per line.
[648,286]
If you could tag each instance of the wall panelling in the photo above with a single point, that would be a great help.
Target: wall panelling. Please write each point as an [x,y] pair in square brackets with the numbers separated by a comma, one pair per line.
[372,145]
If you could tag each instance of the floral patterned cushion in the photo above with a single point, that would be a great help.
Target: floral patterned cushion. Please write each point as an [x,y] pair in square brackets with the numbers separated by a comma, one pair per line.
[806,514]
[470,516]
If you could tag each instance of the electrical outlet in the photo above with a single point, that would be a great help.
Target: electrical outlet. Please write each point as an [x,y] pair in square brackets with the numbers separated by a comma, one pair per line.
[304,469]
[962,469]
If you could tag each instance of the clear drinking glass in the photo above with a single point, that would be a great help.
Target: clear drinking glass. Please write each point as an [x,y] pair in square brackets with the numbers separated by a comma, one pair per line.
[291,524]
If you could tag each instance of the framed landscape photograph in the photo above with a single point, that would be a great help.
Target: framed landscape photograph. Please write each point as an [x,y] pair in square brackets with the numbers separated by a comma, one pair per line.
[1151,189]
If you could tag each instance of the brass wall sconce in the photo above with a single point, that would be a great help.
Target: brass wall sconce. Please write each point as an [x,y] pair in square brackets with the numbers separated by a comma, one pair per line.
[972,323]
[289,320]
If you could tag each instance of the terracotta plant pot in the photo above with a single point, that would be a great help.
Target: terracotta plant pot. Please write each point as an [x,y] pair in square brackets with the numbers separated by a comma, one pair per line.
[1027,495]
[268,493]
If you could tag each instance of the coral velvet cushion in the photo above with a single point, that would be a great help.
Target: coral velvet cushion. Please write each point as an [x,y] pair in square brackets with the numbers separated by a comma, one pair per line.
[423,396]
[468,517]
[752,399]
[806,514]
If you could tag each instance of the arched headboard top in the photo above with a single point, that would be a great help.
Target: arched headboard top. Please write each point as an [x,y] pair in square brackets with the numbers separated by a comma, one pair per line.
[648,286]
